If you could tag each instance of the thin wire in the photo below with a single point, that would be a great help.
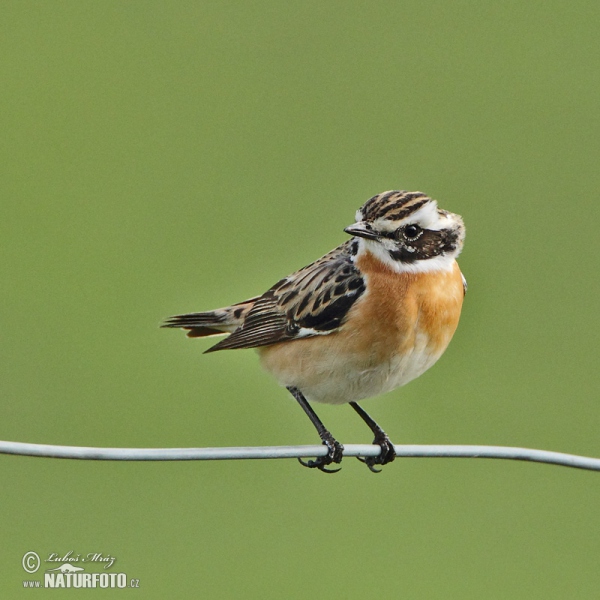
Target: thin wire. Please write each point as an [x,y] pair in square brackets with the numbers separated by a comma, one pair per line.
[263,452]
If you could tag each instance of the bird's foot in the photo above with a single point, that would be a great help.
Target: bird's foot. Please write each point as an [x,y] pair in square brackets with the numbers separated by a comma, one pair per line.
[335,452]
[387,454]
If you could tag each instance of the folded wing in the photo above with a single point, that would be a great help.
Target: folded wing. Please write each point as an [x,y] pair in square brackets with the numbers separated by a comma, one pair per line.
[312,301]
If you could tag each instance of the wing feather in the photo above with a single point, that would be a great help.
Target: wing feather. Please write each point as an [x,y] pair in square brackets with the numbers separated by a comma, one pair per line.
[313,301]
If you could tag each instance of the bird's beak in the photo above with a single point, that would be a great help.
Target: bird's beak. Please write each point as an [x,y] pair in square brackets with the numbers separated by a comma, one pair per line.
[362,230]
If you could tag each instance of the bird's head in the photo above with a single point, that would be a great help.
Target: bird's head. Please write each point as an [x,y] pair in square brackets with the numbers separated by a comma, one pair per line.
[408,232]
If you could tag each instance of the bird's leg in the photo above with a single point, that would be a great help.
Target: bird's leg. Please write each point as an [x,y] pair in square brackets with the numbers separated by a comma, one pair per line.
[335,449]
[388,454]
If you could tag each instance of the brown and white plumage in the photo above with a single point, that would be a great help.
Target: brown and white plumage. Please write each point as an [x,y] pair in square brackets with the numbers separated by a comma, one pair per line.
[312,301]
[369,316]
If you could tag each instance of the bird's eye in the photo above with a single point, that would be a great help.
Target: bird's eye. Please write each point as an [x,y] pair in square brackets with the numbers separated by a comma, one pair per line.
[412,232]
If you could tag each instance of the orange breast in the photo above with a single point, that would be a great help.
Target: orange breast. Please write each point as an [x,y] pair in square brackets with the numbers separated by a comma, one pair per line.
[398,328]
[400,306]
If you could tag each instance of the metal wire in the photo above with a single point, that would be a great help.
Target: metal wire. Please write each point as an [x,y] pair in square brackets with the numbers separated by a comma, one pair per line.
[262,452]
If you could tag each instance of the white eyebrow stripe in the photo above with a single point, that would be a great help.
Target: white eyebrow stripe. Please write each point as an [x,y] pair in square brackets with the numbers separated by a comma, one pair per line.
[427,216]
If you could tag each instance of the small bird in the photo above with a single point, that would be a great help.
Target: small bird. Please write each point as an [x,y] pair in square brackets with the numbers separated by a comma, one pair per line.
[366,318]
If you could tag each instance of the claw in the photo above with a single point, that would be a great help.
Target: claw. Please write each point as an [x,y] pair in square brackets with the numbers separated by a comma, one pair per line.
[334,455]
[371,467]
[311,464]
[387,454]
[335,450]
[322,468]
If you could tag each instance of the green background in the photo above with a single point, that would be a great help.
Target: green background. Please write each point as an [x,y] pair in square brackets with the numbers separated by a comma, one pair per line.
[164,157]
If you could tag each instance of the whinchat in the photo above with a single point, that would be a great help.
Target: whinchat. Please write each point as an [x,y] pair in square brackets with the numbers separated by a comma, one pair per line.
[366,318]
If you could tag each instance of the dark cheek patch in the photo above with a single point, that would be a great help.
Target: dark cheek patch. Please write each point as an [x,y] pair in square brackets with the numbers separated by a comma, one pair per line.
[430,244]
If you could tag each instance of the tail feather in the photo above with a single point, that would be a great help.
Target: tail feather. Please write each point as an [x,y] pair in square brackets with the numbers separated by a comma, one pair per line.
[195,332]
[196,319]
[214,322]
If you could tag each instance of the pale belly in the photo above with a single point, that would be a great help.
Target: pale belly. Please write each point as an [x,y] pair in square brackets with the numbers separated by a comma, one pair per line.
[336,372]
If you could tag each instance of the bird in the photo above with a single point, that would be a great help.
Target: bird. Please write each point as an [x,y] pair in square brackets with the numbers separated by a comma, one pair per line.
[368,317]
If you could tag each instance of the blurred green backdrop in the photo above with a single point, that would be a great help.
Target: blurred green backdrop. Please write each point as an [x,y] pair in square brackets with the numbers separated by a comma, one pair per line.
[161,157]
